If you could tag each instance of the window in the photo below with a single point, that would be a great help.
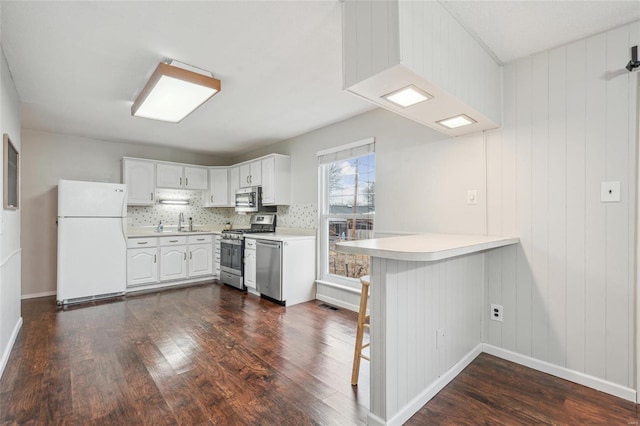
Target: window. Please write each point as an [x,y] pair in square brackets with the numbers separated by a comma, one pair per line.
[347,183]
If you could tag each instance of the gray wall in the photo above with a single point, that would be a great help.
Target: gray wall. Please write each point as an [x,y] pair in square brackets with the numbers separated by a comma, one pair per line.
[422,177]
[10,254]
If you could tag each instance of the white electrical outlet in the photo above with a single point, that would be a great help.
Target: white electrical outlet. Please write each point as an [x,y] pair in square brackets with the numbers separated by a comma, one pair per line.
[610,192]
[496,312]
[472,196]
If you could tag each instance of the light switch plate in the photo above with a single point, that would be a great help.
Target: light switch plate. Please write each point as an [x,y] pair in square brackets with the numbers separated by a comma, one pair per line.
[610,192]
[472,196]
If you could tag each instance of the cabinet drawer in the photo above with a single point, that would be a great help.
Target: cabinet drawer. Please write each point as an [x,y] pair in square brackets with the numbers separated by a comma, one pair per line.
[173,241]
[249,244]
[199,239]
[142,242]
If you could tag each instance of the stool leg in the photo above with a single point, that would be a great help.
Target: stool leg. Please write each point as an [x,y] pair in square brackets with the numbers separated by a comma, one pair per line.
[362,314]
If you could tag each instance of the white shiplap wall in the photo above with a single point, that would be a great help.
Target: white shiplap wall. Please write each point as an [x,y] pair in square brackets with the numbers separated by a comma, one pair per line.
[570,122]
[423,37]
[435,46]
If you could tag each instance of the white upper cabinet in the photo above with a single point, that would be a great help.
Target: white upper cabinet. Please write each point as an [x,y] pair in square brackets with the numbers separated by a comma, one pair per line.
[234,183]
[195,177]
[139,176]
[389,45]
[276,180]
[169,176]
[218,193]
[178,176]
[251,174]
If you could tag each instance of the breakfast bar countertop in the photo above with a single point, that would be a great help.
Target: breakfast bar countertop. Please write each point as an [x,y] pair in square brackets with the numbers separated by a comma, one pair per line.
[425,247]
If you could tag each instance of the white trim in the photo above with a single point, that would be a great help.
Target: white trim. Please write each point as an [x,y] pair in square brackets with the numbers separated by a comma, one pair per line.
[563,373]
[8,258]
[339,286]
[12,341]
[163,285]
[36,295]
[356,144]
[337,302]
[425,396]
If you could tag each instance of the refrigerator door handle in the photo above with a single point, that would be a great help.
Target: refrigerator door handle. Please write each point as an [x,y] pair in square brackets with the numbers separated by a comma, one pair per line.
[124,215]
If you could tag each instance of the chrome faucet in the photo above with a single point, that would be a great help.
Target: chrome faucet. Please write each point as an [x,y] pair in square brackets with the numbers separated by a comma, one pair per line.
[180,221]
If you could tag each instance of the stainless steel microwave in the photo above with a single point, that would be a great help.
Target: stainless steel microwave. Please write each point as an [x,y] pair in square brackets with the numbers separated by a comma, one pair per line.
[249,200]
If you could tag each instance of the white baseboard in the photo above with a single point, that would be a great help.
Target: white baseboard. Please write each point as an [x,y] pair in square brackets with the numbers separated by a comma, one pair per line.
[7,350]
[563,373]
[425,396]
[35,295]
[337,302]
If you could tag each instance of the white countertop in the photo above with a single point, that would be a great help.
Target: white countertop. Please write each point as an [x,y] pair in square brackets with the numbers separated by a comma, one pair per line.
[425,247]
[281,234]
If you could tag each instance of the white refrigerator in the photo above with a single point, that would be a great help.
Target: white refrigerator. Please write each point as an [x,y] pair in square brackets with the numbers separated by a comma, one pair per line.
[92,245]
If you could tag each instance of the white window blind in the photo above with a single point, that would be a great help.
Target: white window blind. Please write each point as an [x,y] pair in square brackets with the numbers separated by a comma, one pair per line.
[346,152]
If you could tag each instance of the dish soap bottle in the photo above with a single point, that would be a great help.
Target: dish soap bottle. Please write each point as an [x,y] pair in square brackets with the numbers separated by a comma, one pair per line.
[160,227]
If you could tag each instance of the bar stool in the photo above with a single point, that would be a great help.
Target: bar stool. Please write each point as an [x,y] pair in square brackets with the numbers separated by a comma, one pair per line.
[362,323]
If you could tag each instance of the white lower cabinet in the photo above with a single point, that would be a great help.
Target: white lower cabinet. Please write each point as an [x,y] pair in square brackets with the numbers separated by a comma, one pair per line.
[173,263]
[161,261]
[142,266]
[200,260]
[250,265]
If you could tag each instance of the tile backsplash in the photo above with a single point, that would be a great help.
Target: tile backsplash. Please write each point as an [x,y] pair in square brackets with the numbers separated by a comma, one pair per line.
[294,216]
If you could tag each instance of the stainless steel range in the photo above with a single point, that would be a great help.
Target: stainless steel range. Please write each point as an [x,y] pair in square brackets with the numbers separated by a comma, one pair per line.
[232,248]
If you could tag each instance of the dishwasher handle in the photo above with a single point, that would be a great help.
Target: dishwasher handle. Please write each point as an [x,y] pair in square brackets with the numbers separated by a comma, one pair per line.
[273,244]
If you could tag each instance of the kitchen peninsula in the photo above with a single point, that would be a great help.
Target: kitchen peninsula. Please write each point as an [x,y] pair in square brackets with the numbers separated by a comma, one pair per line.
[426,315]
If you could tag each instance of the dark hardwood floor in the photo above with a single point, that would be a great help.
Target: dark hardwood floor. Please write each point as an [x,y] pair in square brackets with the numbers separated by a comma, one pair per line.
[212,355]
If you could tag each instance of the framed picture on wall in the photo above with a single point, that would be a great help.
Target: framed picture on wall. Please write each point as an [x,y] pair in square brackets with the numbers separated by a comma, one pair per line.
[11,175]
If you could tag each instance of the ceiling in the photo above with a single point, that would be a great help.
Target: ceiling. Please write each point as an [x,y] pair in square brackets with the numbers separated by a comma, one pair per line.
[78,66]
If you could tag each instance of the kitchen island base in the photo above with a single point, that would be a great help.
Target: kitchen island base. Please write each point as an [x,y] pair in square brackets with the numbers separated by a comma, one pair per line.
[426,315]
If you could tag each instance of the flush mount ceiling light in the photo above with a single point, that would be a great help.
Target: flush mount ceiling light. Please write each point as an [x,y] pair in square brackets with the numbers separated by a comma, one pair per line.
[456,121]
[174,91]
[407,96]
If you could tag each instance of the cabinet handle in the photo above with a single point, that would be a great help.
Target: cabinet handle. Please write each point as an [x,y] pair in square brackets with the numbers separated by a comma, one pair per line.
[186,181]
[152,196]
[173,241]
[190,255]
[200,239]
[144,242]
[180,181]
[154,259]
[212,198]
[185,255]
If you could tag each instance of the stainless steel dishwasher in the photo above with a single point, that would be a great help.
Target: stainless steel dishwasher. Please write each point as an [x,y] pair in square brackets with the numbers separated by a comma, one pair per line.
[269,270]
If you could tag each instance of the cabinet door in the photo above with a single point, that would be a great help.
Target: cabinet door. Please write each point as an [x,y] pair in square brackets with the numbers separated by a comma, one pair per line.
[142,266]
[234,184]
[169,176]
[218,195]
[250,269]
[195,178]
[173,263]
[268,180]
[200,260]
[256,173]
[140,177]
[245,175]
